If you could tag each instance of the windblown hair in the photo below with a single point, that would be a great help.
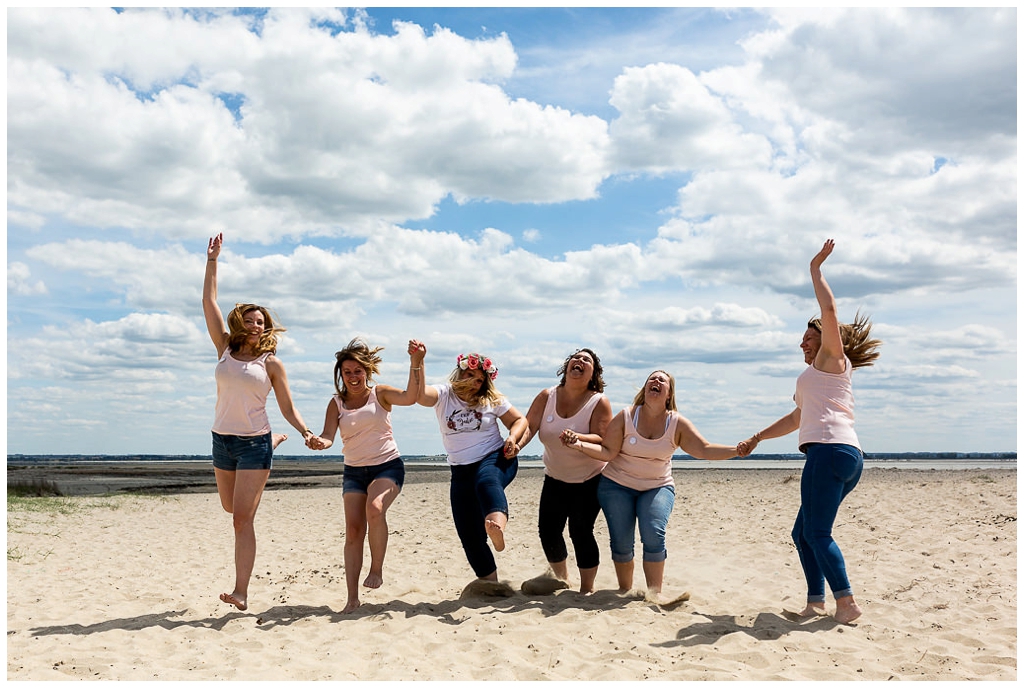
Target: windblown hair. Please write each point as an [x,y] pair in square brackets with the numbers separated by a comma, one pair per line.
[858,345]
[237,333]
[359,351]
[670,403]
[596,382]
[487,395]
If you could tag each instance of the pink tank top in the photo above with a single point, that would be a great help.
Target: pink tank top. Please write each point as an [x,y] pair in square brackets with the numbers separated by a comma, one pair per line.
[242,389]
[365,432]
[562,462]
[826,407]
[644,464]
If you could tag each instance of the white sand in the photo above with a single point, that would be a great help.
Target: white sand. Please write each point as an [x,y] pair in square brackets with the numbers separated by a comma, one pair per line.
[126,588]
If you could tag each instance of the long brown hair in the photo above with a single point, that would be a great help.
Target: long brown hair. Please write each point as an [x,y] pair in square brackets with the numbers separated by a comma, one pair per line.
[237,333]
[359,351]
[858,346]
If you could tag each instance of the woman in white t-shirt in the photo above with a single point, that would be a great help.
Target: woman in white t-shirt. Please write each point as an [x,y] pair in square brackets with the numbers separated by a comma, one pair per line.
[243,445]
[483,464]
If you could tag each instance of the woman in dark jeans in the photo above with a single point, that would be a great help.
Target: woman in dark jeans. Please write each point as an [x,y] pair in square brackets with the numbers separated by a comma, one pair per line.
[824,417]
[483,464]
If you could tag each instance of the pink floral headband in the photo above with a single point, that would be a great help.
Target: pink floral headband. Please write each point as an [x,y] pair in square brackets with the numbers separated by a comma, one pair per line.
[476,361]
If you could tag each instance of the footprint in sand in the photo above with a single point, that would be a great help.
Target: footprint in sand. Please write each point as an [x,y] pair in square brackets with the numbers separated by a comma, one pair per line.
[485,588]
[543,585]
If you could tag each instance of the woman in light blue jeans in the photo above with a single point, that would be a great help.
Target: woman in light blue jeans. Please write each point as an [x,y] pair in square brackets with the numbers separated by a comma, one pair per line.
[636,486]
[824,417]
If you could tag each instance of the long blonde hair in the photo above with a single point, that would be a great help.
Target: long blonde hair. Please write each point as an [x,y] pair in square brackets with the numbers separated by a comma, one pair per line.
[858,346]
[670,403]
[488,394]
[237,333]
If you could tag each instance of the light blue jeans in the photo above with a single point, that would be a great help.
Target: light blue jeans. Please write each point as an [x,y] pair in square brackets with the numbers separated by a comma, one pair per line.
[625,509]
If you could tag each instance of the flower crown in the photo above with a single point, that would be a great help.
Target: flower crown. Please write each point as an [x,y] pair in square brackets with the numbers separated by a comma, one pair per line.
[475,361]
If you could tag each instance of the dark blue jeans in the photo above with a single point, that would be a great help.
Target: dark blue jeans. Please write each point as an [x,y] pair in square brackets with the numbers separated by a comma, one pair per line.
[831,471]
[577,505]
[478,489]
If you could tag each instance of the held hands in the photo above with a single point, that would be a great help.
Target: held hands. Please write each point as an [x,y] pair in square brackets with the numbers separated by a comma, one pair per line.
[213,249]
[747,446]
[417,352]
[824,253]
[511,448]
[316,443]
[570,439]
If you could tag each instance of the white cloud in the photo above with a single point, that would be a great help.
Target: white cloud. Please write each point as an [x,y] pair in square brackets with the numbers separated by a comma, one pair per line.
[670,121]
[18,280]
[333,131]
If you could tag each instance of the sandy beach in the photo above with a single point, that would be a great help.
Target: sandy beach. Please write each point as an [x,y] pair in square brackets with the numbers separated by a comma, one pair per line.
[126,586]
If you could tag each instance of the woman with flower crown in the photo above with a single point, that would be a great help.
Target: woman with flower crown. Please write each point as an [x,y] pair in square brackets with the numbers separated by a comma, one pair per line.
[483,464]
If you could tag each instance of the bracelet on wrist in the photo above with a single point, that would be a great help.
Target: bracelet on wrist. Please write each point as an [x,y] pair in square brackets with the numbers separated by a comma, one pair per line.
[419,368]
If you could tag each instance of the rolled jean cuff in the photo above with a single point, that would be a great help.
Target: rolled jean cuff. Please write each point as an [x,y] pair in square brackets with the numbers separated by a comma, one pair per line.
[848,592]
[655,557]
[622,558]
[815,598]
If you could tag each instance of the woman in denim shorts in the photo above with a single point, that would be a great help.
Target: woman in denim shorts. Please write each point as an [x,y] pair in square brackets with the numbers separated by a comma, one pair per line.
[636,487]
[374,472]
[243,445]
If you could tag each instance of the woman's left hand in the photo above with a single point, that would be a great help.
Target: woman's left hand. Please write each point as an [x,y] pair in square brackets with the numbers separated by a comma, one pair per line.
[511,448]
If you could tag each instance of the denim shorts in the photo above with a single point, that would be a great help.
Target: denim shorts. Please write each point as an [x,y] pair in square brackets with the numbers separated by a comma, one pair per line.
[233,452]
[358,478]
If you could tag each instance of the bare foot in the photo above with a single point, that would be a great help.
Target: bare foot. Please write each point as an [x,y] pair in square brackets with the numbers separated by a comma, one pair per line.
[497,534]
[351,605]
[235,599]
[277,439]
[813,609]
[373,580]
[847,612]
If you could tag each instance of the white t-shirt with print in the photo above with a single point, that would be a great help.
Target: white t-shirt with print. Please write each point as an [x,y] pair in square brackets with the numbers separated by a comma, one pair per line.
[468,434]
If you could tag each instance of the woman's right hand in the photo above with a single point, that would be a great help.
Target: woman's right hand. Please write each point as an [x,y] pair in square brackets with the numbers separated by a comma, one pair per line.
[213,249]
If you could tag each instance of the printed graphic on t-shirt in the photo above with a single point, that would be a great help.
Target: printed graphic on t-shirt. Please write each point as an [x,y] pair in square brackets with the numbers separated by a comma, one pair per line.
[464,420]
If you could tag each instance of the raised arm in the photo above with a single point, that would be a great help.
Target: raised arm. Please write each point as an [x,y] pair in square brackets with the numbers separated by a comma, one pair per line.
[783,426]
[279,381]
[830,358]
[413,386]
[693,443]
[214,318]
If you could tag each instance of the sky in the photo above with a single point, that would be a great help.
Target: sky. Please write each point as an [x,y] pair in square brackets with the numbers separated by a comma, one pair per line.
[649,183]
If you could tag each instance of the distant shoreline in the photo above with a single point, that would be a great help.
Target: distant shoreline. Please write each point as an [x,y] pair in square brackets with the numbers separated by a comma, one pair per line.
[96,475]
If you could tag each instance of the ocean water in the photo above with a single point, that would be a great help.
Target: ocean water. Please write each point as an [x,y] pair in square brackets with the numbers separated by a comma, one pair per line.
[914,460]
